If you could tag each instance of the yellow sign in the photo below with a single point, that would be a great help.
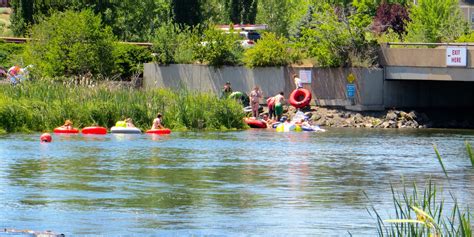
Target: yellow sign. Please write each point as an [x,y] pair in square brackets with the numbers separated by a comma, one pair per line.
[351,78]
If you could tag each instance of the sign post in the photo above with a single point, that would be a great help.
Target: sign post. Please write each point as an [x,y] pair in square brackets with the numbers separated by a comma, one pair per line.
[351,88]
[456,57]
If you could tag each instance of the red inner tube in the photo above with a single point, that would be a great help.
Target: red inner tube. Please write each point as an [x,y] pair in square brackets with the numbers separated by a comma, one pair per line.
[255,123]
[300,98]
[159,131]
[94,130]
[63,130]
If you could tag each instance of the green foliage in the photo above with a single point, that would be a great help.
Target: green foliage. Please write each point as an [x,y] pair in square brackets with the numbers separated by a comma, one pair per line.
[270,50]
[466,38]
[187,12]
[42,106]
[333,40]
[434,21]
[174,44]
[326,38]
[130,20]
[218,48]
[242,11]
[276,14]
[129,59]
[9,54]
[71,43]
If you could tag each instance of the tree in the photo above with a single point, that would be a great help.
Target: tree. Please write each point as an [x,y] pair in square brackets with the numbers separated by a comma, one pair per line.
[187,12]
[276,14]
[242,11]
[436,21]
[71,43]
[391,16]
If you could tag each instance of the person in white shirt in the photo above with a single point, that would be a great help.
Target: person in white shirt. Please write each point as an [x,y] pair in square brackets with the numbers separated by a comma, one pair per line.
[298,82]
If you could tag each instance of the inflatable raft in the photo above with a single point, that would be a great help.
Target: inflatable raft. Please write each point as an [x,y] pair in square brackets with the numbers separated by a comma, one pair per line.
[288,127]
[65,130]
[125,130]
[300,98]
[96,130]
[255,123]
[159,131]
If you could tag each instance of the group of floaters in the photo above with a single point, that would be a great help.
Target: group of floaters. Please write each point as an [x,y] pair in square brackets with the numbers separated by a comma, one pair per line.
[121,127]
[299,98]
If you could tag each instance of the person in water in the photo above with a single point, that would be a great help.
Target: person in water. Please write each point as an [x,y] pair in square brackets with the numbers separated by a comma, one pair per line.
[279,101]
[157,122]
[67,124]
[129,123]
[255,96]
[226,91]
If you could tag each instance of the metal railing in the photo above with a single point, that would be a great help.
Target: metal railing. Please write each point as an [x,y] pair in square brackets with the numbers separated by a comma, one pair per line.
[427,44]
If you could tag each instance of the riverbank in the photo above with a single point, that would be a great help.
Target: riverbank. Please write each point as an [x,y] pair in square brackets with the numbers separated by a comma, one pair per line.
[341,118]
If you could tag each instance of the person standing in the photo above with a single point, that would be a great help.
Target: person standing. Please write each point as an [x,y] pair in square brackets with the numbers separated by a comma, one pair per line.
[271,107]
[298,82]
[226,91]
[255,96]
[279,101]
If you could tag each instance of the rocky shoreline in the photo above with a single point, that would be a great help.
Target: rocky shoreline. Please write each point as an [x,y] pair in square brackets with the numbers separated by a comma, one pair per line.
[340,118]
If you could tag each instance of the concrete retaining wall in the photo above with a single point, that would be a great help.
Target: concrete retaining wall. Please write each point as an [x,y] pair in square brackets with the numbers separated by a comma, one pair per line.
[328,85]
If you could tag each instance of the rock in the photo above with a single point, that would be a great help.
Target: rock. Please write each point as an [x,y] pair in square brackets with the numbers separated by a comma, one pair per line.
[403,114]
[385,124]
[391,116]
[316,117]
[412,115]
[330,115]
[368,125]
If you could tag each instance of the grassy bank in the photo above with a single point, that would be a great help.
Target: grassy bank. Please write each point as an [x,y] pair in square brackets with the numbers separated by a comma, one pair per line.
[42,106]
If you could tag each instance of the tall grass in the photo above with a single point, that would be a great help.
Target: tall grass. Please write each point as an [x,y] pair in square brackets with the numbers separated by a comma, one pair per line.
[423,213]
[42,105]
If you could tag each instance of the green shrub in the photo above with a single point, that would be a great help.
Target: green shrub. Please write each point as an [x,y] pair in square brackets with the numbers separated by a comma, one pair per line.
[10,54]
[174,44]
[467,38]
[71,43]
[129,59]
[434,21]
[327,38]
[271,50]
[218,48]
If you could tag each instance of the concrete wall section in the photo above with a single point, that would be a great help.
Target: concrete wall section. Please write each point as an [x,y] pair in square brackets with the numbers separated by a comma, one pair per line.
[211,79]
[328,85]
[419,57]
[428,73]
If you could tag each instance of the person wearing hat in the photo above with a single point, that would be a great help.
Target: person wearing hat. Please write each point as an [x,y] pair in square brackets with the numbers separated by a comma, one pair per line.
[226,91]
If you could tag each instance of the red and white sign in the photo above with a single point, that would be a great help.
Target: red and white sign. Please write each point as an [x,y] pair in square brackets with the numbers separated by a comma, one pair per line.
[456,56]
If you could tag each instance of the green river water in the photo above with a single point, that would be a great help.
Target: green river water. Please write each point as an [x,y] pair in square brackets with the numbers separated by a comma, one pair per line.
[254,182]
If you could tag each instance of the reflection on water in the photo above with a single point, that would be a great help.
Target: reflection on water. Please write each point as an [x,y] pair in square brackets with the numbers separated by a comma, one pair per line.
[252,182]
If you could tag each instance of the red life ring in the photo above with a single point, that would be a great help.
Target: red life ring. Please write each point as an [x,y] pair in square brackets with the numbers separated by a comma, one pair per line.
[94,130]
[159,131]
[64,130]
[255,123]
[300,98]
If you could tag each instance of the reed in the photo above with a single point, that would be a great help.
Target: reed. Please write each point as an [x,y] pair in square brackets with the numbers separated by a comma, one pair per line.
[422,213]
[42,105]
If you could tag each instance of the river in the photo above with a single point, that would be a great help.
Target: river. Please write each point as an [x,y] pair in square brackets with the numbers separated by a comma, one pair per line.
[253,182]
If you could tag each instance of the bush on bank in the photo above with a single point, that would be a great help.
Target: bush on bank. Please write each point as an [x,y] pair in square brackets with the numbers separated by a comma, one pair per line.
[43,105]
